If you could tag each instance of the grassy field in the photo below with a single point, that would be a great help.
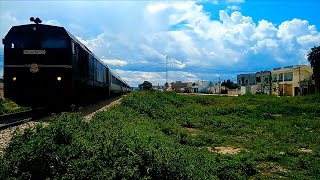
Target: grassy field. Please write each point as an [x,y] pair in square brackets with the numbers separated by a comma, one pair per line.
[170,136]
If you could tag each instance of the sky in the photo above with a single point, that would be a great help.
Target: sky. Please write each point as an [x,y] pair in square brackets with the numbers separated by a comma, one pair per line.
[192,40]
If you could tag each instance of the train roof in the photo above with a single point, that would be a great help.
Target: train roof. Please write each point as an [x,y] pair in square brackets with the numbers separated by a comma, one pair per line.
[57,30]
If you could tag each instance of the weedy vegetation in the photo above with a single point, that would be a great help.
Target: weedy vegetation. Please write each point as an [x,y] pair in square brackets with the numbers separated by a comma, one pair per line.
[154,135]
[7,106]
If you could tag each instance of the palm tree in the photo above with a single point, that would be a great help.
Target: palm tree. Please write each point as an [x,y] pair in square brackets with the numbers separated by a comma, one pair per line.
[314,59]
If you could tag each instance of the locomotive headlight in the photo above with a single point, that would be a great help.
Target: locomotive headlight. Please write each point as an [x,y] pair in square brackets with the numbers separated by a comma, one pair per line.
[59,78]
[14,78]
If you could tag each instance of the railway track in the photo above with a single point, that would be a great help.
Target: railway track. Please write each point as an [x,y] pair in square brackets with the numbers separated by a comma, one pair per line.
[14,119]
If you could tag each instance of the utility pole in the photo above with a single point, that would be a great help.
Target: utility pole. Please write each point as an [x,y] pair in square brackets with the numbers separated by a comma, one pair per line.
[167,71]
[270,83]
[299,82]
[219,86]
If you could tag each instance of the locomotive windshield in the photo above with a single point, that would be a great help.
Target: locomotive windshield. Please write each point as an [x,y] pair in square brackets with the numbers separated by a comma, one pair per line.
[35,42]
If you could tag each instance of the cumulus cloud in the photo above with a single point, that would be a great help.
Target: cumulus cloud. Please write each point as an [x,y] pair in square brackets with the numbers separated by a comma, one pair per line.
[233,41]
[133,36]
[235,1]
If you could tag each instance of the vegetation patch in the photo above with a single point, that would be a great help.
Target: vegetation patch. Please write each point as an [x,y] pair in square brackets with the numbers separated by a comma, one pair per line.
[192,131]
[225,150]
[154,135]
[7,107]
[305,150]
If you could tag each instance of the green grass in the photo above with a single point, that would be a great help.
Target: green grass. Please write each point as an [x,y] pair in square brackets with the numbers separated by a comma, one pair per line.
[7,106]
[167,136]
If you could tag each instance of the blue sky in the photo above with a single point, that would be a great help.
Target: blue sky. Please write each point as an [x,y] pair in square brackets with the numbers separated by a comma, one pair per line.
[202,40]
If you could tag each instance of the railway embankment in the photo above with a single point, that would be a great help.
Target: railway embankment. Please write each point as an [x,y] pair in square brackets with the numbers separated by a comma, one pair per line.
[166,135]
[8,132]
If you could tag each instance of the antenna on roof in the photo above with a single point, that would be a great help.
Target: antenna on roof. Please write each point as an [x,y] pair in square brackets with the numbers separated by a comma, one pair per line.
[37,20]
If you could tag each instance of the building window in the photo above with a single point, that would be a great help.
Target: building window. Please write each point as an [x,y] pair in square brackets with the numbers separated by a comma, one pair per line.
[288,76]
[274,78]
[246,81]
[258,79]
[281,77]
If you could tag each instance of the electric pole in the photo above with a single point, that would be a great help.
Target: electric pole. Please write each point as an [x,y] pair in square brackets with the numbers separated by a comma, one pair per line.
[167,71]
[219,86]
[270,83]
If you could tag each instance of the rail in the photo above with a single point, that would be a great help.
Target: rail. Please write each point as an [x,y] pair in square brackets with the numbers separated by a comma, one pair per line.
[14,119]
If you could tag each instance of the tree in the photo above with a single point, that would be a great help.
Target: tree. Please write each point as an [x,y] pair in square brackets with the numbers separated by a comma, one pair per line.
[314,59]
[146,85]
[229,84]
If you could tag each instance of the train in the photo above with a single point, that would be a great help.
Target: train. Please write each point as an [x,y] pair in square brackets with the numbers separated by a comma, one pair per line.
[47,66]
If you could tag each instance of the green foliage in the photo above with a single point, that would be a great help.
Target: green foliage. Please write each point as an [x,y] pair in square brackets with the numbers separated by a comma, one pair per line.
[146,85]
[7,106]
[229,84]
[156,135]
[314,60]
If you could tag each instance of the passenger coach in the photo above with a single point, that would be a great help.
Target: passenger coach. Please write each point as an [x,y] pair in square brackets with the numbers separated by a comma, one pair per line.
[46,65]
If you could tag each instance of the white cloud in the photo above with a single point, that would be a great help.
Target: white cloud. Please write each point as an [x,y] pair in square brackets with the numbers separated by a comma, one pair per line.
[52,22]
[234,8]
[6,22]
[154,8]
[115,62]
[137,34]
[235,1]
[295,28]
[208,1]
[175,63]
[309,40]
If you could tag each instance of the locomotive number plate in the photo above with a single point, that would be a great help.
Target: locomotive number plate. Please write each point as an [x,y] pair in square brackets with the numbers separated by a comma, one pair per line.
[34,51]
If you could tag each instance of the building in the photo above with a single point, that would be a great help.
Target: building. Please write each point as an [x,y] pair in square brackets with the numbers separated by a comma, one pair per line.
[180,86]
[205,87]
[255,82]
[246,79]
[287,81]
[263,82]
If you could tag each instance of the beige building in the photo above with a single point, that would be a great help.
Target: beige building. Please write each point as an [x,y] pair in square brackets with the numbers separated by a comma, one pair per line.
[287,81]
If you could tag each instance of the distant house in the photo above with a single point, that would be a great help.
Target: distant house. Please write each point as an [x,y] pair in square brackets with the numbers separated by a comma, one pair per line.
[180,86]
[290,80]
[263,82]
[255,82]
[246,79]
